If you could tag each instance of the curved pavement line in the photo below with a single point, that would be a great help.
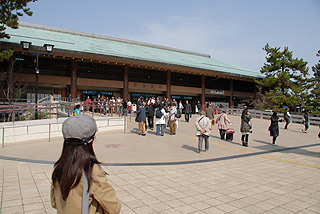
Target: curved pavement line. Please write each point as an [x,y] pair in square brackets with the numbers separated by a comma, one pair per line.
[247,154]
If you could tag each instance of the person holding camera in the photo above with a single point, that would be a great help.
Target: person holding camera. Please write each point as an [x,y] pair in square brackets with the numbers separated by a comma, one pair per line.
[245,127]
[274,127]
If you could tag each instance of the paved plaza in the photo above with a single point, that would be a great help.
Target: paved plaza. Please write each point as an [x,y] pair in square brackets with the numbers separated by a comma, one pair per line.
[154,174]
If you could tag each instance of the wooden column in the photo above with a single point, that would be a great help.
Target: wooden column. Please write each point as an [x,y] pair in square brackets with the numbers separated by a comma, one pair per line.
[231,95]
[254,91]
[73,84]
[168,92]
[125,91]
[203,90]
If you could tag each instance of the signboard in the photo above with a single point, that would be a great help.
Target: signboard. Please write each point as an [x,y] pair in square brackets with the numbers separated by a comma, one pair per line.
[143,95]
[181,98]
[216,92]
[94,93]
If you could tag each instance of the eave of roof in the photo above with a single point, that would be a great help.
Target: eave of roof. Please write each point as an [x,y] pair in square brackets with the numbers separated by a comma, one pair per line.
[109,46]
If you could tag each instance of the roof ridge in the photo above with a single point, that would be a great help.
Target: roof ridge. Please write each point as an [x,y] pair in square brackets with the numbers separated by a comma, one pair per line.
[92,35]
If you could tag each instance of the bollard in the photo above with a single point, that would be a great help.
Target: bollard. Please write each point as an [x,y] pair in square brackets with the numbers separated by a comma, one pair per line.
[49,131]
[2,137]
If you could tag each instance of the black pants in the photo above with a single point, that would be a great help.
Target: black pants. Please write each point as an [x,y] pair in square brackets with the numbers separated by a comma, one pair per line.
[150,122]
[186,116]
[245,137]
[222,133]
[274,139]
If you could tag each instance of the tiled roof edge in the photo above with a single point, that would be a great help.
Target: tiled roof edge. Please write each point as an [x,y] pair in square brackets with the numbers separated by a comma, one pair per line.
[60,30]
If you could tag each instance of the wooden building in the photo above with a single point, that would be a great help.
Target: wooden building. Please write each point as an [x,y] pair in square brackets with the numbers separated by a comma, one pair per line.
[85,64]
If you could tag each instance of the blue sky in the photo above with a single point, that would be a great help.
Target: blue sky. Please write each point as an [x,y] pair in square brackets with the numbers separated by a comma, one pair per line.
[232,31]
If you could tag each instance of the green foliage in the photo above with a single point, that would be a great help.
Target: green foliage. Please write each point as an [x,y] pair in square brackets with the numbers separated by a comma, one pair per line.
[9,15]
[314,97]
[5,54]
[286,79]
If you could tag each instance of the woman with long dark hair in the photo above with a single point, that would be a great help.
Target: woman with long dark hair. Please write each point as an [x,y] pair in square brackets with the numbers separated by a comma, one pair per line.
[78,181]
[274,127]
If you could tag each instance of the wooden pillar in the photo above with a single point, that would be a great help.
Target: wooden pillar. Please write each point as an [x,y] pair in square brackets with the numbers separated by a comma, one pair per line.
[73,84]
[231,95]
[203,90]
[168,92]
[125,91]
[254,91]
[255,94]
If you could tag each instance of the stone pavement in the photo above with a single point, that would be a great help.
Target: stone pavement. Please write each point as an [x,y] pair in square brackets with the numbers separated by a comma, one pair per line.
[154,174]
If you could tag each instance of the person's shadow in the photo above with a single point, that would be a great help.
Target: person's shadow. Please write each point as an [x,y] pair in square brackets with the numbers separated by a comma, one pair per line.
[191,148]
[135,131]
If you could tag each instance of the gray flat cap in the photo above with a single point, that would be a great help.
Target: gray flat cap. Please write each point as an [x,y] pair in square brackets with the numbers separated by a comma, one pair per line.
[80,127]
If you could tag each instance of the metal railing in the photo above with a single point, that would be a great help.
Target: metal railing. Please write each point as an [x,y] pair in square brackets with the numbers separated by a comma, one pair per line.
[56,109]
[49,130]
[295,118]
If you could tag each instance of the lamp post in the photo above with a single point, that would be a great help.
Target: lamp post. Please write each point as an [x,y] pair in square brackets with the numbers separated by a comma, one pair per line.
[49,49]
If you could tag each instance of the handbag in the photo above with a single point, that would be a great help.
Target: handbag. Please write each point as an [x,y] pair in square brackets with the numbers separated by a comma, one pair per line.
[212,122]
[230,131]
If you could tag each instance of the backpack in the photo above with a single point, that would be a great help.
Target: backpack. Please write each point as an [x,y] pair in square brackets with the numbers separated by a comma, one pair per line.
[178,114]
[158,113]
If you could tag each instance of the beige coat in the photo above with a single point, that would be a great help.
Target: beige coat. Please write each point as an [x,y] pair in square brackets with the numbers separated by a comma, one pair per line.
[102,197]
[204,123]
[221,120]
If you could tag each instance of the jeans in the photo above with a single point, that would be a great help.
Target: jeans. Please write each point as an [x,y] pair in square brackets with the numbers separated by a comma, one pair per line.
[125,111]
[206,140]
[287,123]
[158,129]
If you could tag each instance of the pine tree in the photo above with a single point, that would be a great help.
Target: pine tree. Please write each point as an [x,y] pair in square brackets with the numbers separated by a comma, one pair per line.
[285,81]
[315,91]
[9,15]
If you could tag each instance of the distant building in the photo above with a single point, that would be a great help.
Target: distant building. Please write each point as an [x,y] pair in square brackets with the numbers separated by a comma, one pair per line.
[85,64]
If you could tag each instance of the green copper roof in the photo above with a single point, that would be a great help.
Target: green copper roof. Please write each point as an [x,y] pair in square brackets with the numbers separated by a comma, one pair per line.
[95,44]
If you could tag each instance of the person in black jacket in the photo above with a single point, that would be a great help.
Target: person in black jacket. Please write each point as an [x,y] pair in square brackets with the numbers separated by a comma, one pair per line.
[274,127]
[147,108]
[187,111]
[125,107]
[150,115]
[141,119]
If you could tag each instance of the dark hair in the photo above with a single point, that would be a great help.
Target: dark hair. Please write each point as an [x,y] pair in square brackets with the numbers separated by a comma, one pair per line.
[274,114]
[68,169]
[244,112]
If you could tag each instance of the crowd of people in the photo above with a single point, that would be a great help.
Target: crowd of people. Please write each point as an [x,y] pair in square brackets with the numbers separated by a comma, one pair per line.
[104,105]
[164,114]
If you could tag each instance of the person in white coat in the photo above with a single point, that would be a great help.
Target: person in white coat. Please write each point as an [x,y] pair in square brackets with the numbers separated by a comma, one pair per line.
[160,121]
[203,127]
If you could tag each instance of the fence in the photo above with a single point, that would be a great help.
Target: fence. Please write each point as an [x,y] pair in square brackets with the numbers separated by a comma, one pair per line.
[56,109]
[53,129]
[295,118]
